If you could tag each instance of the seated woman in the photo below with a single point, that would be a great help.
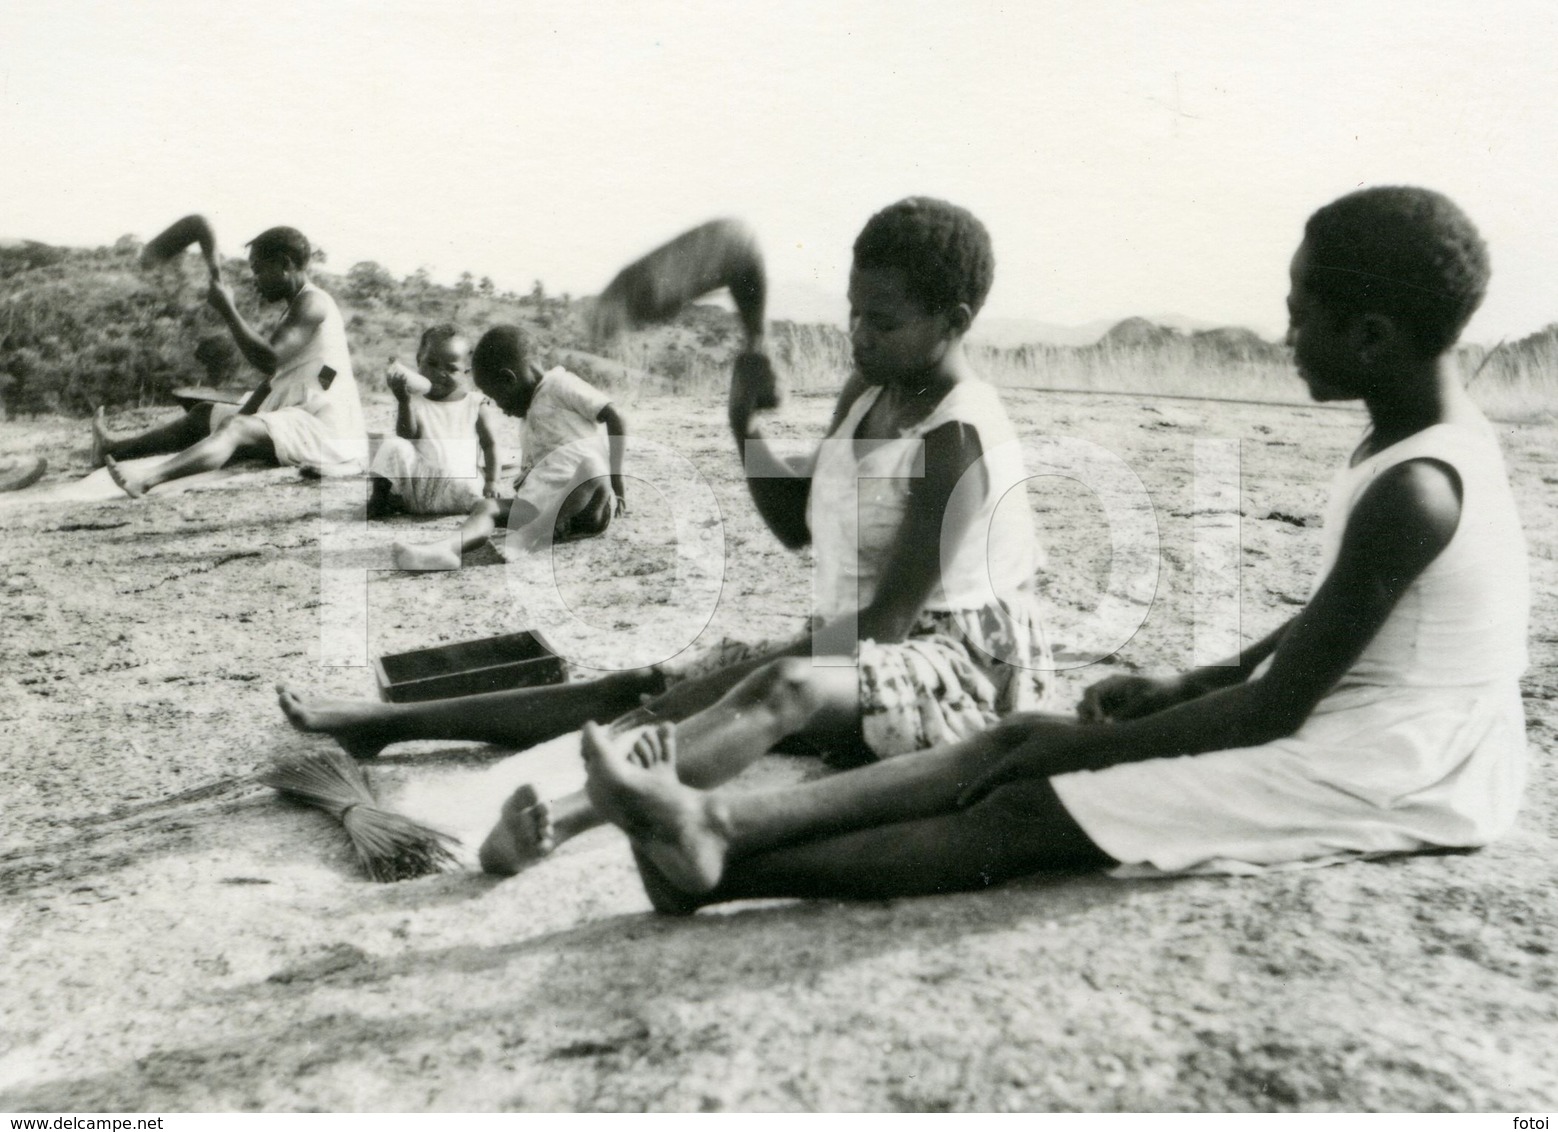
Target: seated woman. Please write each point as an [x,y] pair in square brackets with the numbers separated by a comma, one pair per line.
[943,644]
[306,413]
[1384,718]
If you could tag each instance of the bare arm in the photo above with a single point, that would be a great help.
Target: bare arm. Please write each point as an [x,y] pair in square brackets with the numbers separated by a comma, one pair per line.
[1131,697]
[778,490]
[616,438]
[487,437]
[301,323]
[1402,523]
[405,427]
[913,567]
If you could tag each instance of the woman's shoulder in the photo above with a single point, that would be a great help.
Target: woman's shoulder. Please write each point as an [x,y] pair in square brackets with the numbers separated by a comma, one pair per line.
[971,401]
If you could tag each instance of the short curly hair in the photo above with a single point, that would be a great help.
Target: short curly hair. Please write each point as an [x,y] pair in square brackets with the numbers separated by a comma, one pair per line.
[943,251]
[503,347]
[1407,253]
[283,242]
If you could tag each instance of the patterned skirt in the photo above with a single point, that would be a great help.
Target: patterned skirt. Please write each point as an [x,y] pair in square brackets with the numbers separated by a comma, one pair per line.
[955,674]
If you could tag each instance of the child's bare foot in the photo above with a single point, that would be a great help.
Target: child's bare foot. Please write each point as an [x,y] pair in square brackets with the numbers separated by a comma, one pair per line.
[100,438]
[675,827]
[132,488]
[522,836]
[428,555]
[358,725]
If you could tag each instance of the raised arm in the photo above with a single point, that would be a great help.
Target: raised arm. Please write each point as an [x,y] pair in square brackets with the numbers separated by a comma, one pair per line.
[301,323]
[778,490]
[1399,526]
[616,439]
[487,424]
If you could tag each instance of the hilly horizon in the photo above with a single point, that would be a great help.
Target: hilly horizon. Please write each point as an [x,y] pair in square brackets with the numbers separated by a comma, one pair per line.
[809,303]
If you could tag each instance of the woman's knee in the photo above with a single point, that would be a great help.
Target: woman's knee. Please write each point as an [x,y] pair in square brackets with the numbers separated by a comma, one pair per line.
[242,431]
[794,689]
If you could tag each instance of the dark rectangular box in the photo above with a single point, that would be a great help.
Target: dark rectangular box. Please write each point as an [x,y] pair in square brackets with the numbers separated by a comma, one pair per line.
[493,664]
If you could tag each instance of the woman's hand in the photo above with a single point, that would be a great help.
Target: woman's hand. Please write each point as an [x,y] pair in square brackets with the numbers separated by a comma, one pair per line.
[754,386]
[219,297]
[1128,697]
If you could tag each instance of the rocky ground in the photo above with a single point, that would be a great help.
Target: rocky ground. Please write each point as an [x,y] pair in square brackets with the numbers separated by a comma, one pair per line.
[177,938]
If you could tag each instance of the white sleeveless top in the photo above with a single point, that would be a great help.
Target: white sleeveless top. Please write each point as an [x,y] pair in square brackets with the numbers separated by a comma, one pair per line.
[1463,621]
[296,385]
[446,432]
[995,559]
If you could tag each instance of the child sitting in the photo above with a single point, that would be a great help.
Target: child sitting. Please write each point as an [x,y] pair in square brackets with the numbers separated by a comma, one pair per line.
[1384,718]
[430,465]
[565,461]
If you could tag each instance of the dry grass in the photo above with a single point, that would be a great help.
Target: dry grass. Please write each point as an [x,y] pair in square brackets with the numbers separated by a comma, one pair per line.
[1518,383]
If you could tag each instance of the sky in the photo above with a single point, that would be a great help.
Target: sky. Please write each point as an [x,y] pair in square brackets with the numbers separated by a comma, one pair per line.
[1129,158]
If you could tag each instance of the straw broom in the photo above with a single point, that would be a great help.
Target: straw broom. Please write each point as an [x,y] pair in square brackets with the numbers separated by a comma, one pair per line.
[389,846]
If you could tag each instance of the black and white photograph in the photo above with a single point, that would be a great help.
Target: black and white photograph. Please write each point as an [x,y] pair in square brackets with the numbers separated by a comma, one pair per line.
[862,556]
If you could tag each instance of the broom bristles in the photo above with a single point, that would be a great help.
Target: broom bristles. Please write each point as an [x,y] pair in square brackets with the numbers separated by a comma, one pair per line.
[389,846]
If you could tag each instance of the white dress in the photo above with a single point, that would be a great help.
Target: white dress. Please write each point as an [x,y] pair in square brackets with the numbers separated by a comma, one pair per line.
[561,442]
[309,425]
[1420,745]
[438,472]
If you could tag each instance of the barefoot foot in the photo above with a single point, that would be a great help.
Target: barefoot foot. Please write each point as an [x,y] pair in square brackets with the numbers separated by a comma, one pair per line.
[678,829]
[133,488]
[428,556]
[360,726]
[523,835]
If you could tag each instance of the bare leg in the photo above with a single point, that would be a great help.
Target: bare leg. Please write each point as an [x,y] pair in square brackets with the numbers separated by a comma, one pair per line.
[772,700]
[1019,829]
[381,498]
[788,696]
[235,434]
[519,718]
[585,513]
[690,835]
[445,554]
[174,436]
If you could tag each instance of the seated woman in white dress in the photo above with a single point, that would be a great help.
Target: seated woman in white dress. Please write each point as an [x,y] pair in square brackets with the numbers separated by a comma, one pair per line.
[306,413]
[1384,718]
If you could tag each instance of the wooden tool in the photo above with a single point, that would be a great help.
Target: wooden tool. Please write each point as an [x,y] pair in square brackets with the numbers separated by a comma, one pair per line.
[171,242]
[188,396]
[720,253]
